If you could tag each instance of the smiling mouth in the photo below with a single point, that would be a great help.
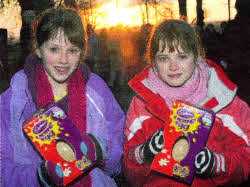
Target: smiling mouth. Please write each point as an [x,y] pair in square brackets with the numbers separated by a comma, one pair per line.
[173,76]
[62,70]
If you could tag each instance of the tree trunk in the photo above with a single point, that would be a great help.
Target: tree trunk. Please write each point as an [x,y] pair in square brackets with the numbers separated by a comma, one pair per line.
[183,9]
[70,3]
[200,14]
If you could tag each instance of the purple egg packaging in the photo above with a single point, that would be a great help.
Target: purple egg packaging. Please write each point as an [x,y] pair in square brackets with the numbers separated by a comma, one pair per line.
[59,142]
[186,133]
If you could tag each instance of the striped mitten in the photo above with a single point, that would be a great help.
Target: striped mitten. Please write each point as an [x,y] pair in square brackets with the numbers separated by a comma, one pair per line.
[153,145]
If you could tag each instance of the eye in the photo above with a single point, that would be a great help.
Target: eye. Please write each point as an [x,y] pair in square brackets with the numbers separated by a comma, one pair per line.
[162,58]
[182,56]
[54,49]
[74,51]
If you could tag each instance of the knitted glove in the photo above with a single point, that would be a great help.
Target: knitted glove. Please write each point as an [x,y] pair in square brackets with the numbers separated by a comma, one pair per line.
[94,148]
[205,162]
[153,145]
[50,174]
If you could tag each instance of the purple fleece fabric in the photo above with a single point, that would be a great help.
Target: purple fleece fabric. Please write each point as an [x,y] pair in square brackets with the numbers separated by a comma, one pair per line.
[19,161]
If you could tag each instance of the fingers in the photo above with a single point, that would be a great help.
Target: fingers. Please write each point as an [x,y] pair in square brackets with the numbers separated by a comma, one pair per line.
[153,145]
[156,142]
[204,162]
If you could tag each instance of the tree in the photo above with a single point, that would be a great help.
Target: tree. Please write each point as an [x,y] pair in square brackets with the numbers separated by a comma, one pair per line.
[160,7]
[200,14]
[29,10]
[229,12]
[145,14]
[183,9]
[87,9]
[70,3]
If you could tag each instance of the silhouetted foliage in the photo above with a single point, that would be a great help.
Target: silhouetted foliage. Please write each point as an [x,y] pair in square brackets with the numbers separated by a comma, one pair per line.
[29,10]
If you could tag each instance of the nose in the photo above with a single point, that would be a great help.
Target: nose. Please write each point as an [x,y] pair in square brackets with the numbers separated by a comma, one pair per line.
[63,57]
[173,65]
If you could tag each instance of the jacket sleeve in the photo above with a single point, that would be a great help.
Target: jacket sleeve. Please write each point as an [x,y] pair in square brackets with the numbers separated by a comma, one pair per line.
[107,122]
[137,132]
[14,171]
[230,143]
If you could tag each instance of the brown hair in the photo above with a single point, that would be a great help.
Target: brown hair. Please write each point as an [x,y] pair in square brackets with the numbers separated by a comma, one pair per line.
[47,25]
[174,33]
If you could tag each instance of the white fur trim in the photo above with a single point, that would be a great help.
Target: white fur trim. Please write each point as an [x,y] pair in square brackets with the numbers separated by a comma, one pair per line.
[229,122]
[136,125]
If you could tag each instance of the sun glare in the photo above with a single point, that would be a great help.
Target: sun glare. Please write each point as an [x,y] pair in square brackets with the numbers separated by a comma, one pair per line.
[111,16]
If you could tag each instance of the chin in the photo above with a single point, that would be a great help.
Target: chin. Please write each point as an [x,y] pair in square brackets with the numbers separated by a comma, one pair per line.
[174,84]
[61,81]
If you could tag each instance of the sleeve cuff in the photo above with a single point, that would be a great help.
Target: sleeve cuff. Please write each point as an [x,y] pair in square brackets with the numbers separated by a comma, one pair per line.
[95,149]
[219,163]
[135,155]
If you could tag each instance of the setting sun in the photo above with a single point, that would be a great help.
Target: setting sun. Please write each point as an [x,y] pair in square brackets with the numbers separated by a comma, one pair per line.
[111,15]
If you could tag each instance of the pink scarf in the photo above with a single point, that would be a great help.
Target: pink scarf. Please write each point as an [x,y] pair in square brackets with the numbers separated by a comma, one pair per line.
[194,91]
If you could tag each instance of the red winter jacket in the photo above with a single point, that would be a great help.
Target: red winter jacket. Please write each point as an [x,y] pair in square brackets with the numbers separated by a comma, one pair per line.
[229,138]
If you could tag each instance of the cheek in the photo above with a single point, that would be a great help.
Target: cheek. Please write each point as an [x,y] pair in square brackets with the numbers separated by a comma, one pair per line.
[50,59]
[74,60]
[163,69]
[191,68]
[188,67]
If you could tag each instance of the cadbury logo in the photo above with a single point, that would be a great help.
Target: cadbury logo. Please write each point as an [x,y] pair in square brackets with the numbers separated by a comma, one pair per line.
[185,113]
[40,126]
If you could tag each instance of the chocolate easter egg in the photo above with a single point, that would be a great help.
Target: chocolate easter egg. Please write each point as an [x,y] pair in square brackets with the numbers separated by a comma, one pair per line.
[180,149]
[65,151]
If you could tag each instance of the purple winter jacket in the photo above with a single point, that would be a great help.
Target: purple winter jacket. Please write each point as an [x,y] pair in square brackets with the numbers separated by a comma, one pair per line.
[19,161]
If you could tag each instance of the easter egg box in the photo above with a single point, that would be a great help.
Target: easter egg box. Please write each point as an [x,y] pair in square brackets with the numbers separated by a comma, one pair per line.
[58,141]
[185,136]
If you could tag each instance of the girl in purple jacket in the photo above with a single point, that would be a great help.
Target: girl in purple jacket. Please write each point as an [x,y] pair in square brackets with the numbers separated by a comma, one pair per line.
[55,74]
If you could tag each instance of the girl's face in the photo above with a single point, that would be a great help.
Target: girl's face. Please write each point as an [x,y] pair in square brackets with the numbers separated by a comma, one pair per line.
[60,58]
[174,68]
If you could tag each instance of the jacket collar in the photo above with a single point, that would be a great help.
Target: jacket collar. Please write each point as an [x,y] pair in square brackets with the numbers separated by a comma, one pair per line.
[221,91]
[153,101]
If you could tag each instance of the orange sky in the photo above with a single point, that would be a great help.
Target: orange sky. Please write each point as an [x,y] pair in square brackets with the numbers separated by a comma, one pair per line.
[216,10]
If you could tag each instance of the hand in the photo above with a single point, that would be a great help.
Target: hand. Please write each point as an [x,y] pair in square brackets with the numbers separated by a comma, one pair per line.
[94,148]
[205,162]
[50,174]
[153,145]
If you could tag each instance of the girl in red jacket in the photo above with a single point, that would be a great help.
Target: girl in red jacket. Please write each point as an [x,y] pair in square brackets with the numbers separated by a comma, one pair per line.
[178,72]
